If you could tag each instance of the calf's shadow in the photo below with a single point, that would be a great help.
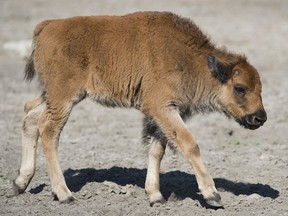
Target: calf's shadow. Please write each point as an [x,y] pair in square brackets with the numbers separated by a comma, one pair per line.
[182,185]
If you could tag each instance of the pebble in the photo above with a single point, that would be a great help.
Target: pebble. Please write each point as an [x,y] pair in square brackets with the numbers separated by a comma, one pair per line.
[98,191]
[2,192]
[86,194]
[112,185]
[167,208]
[128,193]
[83,192]
[108,183]
[123,191]
[53,203]
[253,197]
[39,198]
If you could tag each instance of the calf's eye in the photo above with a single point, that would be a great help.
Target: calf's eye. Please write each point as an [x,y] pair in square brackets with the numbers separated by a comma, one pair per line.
[240,90]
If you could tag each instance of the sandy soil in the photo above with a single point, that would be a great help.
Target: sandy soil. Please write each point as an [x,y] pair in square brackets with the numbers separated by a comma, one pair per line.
[101,154]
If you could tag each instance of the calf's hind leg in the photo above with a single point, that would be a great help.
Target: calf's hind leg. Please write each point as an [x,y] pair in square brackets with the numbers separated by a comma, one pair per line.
[30,134]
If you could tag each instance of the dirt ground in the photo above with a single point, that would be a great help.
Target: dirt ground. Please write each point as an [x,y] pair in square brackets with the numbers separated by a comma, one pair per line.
[101,154]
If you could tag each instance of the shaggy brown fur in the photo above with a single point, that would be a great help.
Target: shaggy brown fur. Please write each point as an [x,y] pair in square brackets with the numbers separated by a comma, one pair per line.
[156,62]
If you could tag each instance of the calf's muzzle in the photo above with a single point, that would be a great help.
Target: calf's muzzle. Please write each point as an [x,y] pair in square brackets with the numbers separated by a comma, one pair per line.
[254,120]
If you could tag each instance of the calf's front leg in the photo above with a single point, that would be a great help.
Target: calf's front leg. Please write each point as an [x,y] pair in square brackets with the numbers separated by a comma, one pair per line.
[152,184]
[175,129]
[51,123]
[156,140]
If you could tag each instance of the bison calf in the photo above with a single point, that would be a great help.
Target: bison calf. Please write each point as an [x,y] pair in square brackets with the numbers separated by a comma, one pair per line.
[156,62]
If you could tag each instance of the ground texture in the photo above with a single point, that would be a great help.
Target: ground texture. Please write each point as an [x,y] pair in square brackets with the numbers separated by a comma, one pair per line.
[101,154]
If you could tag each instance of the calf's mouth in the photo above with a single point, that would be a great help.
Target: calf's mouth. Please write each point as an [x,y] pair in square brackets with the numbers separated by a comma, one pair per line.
[254,120]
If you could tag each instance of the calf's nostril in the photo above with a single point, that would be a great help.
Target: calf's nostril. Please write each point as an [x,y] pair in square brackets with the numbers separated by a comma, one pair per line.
[257,120]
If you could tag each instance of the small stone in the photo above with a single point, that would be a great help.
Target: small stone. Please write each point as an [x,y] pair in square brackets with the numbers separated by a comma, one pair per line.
[128,193]
[107,183]
[84,192]
[113,188]
[98,191]
[197,204]
[253,197]
[279,201]
[53,203]
[2,192]
[241,197]
[88,195]
[123,191]
[230,133]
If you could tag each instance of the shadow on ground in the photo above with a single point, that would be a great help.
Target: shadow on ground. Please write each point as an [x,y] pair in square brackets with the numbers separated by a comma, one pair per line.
[180,184]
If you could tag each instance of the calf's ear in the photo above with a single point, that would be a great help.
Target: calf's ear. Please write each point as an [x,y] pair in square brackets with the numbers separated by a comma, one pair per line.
[218,69]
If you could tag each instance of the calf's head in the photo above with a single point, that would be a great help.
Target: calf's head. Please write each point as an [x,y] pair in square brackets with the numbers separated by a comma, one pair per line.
[239,92]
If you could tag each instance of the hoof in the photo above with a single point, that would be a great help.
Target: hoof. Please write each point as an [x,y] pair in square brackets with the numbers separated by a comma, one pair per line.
[16,189]
[215,201]
[67,200]
[70,199]
[158,201]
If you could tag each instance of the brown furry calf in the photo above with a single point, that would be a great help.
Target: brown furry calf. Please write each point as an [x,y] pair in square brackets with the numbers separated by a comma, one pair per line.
[158,63]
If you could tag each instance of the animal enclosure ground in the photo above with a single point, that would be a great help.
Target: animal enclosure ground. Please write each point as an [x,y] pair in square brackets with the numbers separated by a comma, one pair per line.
[100,149]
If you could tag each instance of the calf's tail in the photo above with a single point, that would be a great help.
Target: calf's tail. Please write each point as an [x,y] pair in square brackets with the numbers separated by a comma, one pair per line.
[30,66]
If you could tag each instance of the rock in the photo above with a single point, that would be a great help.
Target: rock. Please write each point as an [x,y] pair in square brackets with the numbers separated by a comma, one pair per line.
[53,203]
[128,193]
[83,193]
[123,190]
[113,187]
[253,197]
[86,194]
[167,208]
[98,191]
[110,184]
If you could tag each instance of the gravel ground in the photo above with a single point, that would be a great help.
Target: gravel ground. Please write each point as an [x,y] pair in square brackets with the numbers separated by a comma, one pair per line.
[101,154]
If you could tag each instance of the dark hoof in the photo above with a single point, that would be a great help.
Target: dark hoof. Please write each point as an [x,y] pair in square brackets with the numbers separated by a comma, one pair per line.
[159,202]
[65,201]
[215,201]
